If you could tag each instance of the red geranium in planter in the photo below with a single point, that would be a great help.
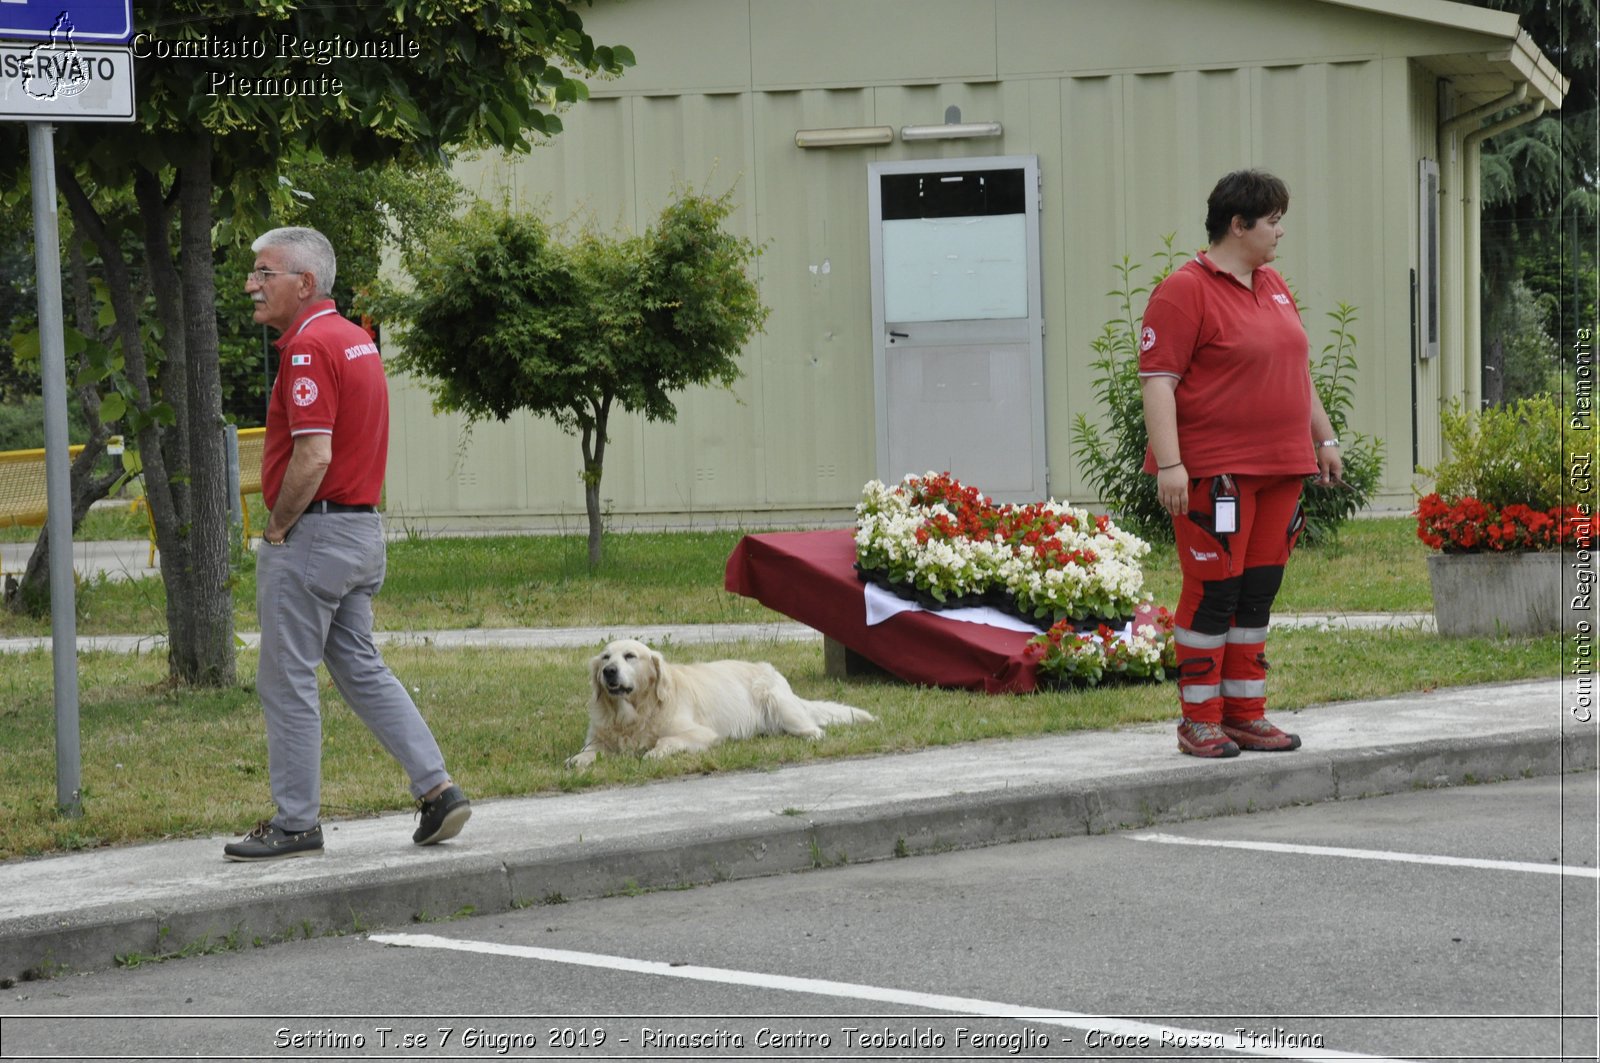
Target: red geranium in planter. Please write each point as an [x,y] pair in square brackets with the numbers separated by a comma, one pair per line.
[1470,526]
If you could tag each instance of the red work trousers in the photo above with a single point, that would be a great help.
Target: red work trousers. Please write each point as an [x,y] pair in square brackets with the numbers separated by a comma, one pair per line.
[1229,583]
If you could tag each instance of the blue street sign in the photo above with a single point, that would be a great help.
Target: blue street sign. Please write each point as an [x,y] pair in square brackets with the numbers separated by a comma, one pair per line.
[87,21]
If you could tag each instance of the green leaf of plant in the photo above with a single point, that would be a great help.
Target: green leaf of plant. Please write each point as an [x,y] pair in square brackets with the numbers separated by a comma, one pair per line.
[112,407]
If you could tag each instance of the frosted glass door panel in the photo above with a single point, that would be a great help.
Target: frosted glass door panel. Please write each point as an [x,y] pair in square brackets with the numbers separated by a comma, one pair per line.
[955,269]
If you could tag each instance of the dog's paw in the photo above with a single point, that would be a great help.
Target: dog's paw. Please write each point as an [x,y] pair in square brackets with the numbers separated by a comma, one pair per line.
[581,760]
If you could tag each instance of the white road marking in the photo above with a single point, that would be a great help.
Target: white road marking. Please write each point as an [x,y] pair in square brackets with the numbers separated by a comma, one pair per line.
[1377,854]
[964,1006]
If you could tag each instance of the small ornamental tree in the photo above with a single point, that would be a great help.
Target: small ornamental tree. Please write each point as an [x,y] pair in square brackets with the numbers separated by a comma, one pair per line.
[505,316]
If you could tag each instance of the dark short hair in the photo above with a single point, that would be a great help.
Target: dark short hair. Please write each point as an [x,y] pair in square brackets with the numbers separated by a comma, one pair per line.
[1250,194]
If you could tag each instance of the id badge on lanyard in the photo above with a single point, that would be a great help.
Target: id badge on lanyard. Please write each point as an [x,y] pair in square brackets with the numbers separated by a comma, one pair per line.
[1225,499]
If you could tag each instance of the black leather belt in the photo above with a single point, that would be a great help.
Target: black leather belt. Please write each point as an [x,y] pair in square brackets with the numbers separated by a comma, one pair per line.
[324,506]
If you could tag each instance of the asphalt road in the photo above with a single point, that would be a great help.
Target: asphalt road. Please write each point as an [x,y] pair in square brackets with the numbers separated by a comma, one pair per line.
[1442,924]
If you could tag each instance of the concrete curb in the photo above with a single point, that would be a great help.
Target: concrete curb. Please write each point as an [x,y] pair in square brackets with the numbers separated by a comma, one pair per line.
[434,883]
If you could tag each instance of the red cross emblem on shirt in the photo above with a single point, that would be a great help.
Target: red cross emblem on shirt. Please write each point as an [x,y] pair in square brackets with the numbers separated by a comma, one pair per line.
[304,391]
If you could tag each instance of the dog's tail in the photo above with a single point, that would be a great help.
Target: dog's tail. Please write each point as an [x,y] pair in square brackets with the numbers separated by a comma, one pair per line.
[826,713]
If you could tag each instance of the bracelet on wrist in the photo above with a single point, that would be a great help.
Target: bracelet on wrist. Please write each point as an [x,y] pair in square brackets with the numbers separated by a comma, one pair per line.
[1328,443]
[1164,468]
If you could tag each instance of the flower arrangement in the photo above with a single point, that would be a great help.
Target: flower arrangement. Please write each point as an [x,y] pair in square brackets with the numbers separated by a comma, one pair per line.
[943,543]
[1504,486]
[1065,655]
[1044,561]
[1469,525]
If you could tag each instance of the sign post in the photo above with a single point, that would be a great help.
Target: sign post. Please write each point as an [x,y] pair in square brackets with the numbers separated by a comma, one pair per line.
[54,80]
[58,474]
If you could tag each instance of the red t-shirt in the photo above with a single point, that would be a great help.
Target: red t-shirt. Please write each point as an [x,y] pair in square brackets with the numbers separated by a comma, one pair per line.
[330,380]
[1242,361]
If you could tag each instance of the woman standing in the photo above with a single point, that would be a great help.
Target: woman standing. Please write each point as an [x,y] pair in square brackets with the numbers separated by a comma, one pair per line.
[1234,426]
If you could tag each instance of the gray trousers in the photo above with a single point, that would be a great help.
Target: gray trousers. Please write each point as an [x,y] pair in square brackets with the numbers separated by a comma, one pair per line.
[314,603]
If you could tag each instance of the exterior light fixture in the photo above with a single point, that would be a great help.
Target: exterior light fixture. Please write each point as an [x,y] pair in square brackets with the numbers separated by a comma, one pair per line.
[845,137]
[951,131]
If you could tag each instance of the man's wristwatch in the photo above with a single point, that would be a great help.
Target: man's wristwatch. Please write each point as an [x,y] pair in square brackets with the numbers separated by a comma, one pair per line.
[1328,443]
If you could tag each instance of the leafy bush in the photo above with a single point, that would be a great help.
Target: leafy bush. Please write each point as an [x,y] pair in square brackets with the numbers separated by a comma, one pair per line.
[1328,506]
[22,424]
[1506,455]
[1112,456]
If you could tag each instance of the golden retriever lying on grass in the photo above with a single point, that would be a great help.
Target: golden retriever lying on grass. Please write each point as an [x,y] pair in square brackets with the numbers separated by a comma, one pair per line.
[644,704]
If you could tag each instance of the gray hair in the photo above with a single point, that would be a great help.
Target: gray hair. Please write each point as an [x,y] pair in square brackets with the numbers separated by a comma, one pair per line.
[305,251]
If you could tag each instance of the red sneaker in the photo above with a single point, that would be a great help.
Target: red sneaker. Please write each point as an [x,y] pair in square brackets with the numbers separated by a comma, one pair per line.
[1200,739]
[1259,736]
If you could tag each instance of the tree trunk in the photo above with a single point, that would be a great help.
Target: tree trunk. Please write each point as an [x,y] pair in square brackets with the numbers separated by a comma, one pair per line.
[184,463]
[32,594]
[594,460]
[126,304]
[162,450]
[200,644]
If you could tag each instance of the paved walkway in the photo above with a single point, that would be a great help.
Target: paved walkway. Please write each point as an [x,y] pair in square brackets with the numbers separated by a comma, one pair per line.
[107,559]
[657,634]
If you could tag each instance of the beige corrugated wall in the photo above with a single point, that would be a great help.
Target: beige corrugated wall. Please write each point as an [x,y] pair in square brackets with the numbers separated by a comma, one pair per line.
[1314,92]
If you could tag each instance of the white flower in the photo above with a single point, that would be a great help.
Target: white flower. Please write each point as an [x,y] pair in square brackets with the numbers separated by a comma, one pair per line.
[1082,566]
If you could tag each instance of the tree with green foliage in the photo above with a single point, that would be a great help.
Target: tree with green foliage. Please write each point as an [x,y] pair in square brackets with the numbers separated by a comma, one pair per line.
[1541,203]
[502,316]
[17,300]
[214,128]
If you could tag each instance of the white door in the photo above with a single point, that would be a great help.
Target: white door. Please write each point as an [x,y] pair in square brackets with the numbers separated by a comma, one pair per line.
[957,322]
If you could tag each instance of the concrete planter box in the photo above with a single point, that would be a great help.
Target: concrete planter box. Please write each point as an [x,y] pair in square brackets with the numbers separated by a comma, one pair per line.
[1532,593]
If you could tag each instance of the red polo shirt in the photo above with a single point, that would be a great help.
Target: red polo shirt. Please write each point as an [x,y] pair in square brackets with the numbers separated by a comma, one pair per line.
[330,381]
[1242,361]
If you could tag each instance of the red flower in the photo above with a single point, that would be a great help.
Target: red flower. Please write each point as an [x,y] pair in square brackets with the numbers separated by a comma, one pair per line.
[1468,524]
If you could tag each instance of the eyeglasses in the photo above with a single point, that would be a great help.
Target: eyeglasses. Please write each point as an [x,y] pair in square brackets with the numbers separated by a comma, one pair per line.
[260,275]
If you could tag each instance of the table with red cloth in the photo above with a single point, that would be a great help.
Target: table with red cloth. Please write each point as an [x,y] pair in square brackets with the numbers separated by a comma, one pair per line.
[810,576]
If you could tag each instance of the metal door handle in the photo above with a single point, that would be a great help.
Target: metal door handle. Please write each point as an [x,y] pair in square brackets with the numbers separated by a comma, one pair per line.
[902,335]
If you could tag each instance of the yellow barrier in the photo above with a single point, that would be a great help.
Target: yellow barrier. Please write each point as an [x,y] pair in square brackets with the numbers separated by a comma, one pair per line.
[252,442]
[23,497]
[23,491]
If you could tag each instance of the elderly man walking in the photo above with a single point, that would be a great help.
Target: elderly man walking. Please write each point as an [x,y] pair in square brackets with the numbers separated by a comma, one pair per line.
[322,555]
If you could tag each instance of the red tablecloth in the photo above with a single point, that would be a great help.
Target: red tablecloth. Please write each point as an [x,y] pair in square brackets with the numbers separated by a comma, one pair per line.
[809,576]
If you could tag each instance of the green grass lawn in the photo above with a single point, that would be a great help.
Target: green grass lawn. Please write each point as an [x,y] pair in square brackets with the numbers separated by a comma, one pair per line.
[160,763]
[105,522]
[676,577]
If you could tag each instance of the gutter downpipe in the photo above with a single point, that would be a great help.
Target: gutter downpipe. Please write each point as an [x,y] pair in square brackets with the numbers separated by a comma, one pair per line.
[1472,367]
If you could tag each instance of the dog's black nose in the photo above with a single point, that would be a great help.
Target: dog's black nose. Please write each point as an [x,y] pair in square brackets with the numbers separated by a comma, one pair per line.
[609,672]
